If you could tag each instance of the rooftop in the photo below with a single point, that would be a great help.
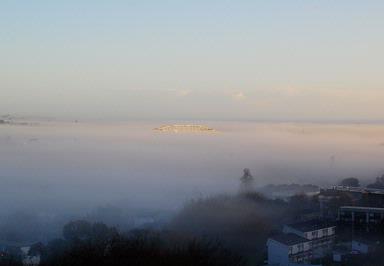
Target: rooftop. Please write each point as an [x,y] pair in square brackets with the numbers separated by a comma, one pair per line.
[311,225]
[369,240]
[357,190]
[360,208]
[289,239]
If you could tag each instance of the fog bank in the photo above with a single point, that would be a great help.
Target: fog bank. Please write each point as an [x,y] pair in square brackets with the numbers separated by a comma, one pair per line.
[54,166]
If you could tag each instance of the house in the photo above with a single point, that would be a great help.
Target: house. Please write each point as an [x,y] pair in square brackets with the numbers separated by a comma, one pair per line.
[321,234]
[29,256]
[288,249]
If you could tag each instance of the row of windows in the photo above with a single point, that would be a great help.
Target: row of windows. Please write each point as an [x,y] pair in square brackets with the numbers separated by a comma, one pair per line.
[301,258]
[363,214]
[300,248]
[325,232]
[373,221]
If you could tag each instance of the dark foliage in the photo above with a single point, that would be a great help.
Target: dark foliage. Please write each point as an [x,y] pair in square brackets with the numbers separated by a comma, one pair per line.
[350,182]
[96,244]
[243,222]
[6,260]
[379,183]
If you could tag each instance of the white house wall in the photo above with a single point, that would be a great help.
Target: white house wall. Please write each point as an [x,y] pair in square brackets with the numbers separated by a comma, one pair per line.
[277,253]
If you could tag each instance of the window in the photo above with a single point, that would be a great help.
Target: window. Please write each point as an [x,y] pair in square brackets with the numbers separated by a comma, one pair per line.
[300,247]
[290,250]
[325,232]
[315,234]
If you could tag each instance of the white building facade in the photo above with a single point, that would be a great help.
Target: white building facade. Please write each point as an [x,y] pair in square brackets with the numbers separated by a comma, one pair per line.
[300,243]
[321,234]
[288,249]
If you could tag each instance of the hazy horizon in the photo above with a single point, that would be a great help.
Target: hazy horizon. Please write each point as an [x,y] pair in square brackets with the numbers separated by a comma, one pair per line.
[95,163]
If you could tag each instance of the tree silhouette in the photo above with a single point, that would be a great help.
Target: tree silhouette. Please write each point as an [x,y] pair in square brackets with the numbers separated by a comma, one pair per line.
[246,181]
[350,182]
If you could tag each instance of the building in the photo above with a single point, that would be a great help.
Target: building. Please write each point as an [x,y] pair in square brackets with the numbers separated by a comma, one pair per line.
[320,233]
[288,249]
[340,253]
[301,242]
[364,245]
[358,196]
[361,215]
[368,219]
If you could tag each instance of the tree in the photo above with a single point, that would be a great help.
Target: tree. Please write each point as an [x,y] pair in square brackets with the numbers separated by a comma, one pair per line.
[36,249]
[135,249]
[350,182]
[77,230]
[55,248]
[246,181]
[379,184]
[101,232]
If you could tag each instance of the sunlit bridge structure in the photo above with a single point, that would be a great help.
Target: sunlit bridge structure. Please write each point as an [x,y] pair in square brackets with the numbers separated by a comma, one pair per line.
[185,129]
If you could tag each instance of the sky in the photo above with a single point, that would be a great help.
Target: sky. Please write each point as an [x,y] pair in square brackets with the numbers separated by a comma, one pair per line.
[211,59]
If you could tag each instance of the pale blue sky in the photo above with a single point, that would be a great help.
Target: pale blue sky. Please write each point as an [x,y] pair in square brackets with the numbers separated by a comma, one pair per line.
[193,59]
